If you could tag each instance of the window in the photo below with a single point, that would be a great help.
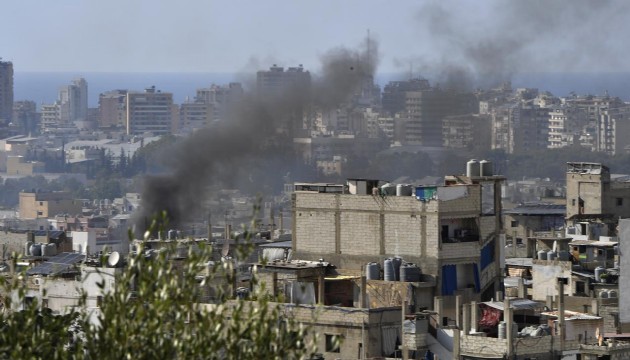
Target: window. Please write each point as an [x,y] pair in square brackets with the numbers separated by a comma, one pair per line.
[619,201]
[572,202]
[40,213]
[332,343]
[41,203]
[99,301]
[514,223]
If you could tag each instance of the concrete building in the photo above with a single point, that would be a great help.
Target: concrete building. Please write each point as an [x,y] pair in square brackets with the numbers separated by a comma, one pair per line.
[17,165]
[151,111]
[51,115]
[222,99]
[470,131]
[35,205]
[614,131]
[6,92]
[450,231]
[73,102]
[519,127]
[195,115]
[25,117]
[394,94]
[565,125]
[276,82]
[112,106]
[426,109]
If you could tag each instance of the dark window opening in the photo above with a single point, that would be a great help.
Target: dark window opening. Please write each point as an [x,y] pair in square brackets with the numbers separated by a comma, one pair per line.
[332,343]
[514,223]
[619,201]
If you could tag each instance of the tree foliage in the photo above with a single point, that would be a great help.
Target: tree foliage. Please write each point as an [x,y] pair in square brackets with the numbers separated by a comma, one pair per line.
[155,312]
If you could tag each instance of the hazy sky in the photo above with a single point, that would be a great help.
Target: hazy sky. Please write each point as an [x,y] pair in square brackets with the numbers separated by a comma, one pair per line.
[229,36]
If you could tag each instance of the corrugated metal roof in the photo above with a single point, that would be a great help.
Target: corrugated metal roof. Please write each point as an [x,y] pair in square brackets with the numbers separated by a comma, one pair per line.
[516,304]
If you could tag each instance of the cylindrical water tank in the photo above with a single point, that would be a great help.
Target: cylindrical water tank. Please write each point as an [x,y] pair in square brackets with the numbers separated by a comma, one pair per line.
[612,294]
[409,272]
[502,330]
[598,273]
[603,294]
[36,250]
[486,168]
[388,189]
[563,255]
[542,255]
[51,250]
[372,271]
[472,168]
[397,262]
[389,273]
[551,255]
[27,248]
[404,190]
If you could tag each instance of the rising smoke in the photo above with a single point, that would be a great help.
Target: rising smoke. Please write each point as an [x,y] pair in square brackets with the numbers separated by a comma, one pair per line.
[486,45]
[258,136]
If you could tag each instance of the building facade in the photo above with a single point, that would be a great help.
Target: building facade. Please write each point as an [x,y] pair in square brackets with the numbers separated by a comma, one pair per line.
[151,111]
[6,91]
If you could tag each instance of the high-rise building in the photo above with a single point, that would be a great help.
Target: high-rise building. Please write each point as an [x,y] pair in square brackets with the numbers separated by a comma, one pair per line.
[394,94]
[6,91]
[25,117]
[73,101]
[151,111]
[222,99]
[277,82]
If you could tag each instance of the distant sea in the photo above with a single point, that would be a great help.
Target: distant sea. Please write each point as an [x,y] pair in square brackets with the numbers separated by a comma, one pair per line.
[42,87]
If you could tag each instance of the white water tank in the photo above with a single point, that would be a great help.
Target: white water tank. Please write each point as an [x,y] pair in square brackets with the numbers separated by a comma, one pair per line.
[404,190]
[598,273]
[472,168]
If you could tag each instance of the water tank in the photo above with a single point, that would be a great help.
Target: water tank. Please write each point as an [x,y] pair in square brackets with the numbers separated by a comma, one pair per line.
[172,234]
[542,255]
[27,248]
[486,168]
[563,255]
[603,294]
[389,273]
[51,249]
[472,168]
[551,255]
[502,330]
[36,250]
[372,271]
[598,272]
[397,262]
[409,272]
[612,294]
[404,190]
[388,189]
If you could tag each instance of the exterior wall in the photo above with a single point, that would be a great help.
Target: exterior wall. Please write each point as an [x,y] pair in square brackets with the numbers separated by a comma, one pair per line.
[149,111]
[43,205]
[588,187]
[595,352]
[544,275]
[526,347]
[624,273]
[16,165]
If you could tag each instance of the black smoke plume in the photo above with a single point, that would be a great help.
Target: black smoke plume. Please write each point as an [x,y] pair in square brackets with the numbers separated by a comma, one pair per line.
[256,142]
[486,45]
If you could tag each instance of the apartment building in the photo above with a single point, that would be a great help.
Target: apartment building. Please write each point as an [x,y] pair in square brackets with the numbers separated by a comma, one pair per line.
[151,111]
[34,205]
[614,131]
[450,232]
[112,107]
[6,91]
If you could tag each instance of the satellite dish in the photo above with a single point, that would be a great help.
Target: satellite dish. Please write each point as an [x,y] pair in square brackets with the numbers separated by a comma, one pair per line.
[113,259]
[226,248]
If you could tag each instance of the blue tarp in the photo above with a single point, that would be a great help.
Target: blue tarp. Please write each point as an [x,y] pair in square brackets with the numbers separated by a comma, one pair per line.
[476,275]
[449,279]
[426,193]
[487,255]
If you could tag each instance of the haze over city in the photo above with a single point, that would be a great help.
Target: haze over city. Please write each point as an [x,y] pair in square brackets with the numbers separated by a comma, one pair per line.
[315,179]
